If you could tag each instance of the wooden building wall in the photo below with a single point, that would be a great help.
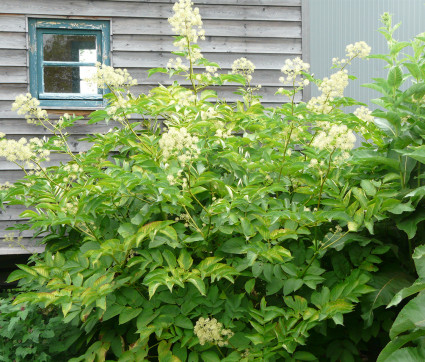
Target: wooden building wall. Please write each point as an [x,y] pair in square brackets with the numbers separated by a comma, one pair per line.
[265,31]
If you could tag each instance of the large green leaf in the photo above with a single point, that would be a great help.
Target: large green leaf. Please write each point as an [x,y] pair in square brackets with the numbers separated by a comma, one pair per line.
[409,354]
[128,314]
[397,343]
[419,259]
[386,285]
[412,316]
[416,287]
[410,224]
[395,77]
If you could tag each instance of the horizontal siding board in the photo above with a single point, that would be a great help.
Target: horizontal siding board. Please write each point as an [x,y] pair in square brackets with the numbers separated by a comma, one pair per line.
[227,2]
[10,40]
[13,57]
[267,77]
[211,44]
[11,212]
[13,75]
[22,128]
[6,111]
[10,176]
[257,29]
[15,23]
[225,60]
[30,249]
[99,8]
[11,91]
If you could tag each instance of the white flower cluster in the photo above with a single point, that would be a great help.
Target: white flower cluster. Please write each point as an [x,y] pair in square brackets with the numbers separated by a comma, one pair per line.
[179,143]
[72,207]
[243,67]
[210,331]
[364,113]
[210,114]
[177,64]
[222,133]
[331,88]
[73,172]
[187,23]
[292,70]
[26,105]
[208,75]
[334,86]
[23,152]
[120,103]
[359,49]
[334,136]
[184,98]
[107,76]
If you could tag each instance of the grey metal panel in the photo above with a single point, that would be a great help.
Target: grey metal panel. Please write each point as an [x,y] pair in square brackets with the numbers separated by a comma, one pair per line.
[336,23]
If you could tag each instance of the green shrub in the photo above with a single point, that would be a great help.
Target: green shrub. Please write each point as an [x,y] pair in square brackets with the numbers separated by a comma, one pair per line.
[31,333]
[203,230]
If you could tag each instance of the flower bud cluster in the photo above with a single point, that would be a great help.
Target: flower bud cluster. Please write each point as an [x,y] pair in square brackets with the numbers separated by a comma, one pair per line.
[10,239]
[72,207]
[184,97]
[23,152]
[107,76]
[5,186]
[243,67]
[179,143]
[120,103]
[210,114]
[73,172]
[222,133]
[26,105]
[208,75]
[334,137]
[331,88]
[292,70]
[177,64]
[210,331]
[364,113]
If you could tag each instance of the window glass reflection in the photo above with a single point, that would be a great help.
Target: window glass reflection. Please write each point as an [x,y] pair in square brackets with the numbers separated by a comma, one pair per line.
[69,48]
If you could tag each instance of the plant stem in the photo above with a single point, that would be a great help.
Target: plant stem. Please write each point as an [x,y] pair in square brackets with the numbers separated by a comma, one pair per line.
[324,179]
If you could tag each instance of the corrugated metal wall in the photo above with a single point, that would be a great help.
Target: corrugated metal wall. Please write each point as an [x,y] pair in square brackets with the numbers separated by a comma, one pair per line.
[336,23]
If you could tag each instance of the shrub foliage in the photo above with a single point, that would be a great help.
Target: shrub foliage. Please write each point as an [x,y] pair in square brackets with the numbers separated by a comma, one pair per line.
[200,230]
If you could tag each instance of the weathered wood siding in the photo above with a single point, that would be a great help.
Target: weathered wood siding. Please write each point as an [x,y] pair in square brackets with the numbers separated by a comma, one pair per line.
[265,31]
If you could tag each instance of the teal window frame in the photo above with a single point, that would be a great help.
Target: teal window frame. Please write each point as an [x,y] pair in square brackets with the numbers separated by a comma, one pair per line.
[36,29]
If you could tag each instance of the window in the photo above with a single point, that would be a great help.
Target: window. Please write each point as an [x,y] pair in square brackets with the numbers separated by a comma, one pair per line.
[62,55]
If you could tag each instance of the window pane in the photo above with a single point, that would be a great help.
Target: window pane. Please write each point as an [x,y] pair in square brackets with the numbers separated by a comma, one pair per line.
[69,80]
[69,48]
